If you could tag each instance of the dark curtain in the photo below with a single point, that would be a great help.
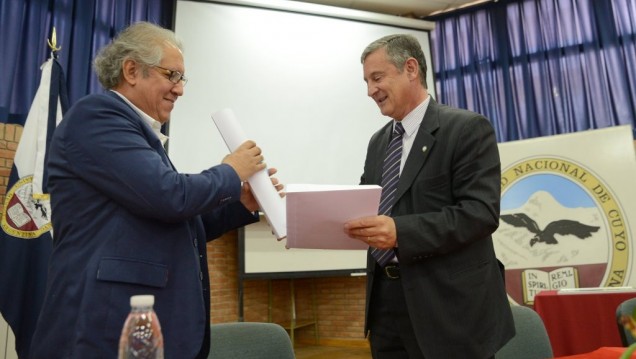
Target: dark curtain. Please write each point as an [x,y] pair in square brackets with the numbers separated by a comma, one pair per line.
[82,28]
[540,67]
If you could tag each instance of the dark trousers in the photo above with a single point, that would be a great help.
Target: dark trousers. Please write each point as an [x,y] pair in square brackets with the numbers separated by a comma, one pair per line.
[391,331]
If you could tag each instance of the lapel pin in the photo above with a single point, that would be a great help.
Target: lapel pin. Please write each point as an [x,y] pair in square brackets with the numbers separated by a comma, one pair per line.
[424,149]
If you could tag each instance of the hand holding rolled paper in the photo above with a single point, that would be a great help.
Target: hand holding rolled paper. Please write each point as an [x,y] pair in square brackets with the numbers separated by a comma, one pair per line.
[267,196]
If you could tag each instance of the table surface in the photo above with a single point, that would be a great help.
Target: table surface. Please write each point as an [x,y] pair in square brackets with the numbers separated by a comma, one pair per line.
[600,353]
[580,323]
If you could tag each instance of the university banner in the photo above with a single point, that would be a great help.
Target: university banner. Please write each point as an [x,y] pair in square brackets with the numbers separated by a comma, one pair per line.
[566,201]
[26,236]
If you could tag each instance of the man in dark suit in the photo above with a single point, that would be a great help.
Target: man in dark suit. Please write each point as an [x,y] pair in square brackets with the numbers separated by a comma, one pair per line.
[441,294]
[125,221]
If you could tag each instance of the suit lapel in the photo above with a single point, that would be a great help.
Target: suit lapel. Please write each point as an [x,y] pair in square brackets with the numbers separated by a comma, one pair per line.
[422,146]
[156,144]
[153,140]
[162,152]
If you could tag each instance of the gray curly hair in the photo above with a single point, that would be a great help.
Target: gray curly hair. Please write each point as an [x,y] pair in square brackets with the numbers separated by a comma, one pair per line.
[141,42]
[399,48]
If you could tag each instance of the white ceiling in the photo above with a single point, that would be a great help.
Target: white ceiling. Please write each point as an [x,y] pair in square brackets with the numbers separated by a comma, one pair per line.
[415,8]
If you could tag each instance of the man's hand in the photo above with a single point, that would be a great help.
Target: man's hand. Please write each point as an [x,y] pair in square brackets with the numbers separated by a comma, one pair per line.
[247,197]
[376,231]
[246,160]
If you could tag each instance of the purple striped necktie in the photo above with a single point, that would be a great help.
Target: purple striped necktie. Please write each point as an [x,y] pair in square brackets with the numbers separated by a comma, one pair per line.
[390,179]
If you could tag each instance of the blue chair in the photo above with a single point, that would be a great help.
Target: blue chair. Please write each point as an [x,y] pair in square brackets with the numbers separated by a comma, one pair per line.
[246,340]
[531,340]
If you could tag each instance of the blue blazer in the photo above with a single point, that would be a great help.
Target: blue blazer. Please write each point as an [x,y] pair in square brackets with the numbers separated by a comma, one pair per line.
[447,207]
[125,223]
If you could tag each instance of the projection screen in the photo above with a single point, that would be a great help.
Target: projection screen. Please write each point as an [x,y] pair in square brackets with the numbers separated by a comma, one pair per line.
[291,73]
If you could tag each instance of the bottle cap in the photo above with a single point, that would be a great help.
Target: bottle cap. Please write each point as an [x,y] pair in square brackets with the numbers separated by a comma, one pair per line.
[142,300]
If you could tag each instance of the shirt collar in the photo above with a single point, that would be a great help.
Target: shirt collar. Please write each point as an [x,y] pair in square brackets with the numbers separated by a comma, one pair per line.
[412,121]
[154,124]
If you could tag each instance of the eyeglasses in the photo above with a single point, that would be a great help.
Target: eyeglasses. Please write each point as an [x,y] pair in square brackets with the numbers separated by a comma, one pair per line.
[173,76]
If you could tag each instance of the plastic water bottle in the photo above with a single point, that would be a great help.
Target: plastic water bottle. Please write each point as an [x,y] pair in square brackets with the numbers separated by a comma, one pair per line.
[141,336]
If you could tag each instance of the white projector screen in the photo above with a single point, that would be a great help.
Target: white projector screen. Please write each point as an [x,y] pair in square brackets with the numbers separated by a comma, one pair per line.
[292,74]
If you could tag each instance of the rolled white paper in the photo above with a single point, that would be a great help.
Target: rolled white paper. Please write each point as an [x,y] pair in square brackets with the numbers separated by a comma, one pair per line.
[266,195]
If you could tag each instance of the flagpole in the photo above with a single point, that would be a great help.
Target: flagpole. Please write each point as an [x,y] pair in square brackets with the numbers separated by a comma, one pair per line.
[25,224]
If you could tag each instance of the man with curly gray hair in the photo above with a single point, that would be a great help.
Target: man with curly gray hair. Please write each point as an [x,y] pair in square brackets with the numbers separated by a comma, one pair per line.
[125,221]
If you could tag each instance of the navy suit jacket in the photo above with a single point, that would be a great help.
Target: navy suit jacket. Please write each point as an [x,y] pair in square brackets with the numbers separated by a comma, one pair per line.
[447,207]
[125,223]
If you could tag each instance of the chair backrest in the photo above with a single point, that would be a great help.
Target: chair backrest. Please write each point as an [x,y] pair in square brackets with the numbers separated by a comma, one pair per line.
[531,340]
[244,340]
[625,308]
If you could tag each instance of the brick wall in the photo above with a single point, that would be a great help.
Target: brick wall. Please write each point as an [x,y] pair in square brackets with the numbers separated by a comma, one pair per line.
[339,301]
[9,138]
